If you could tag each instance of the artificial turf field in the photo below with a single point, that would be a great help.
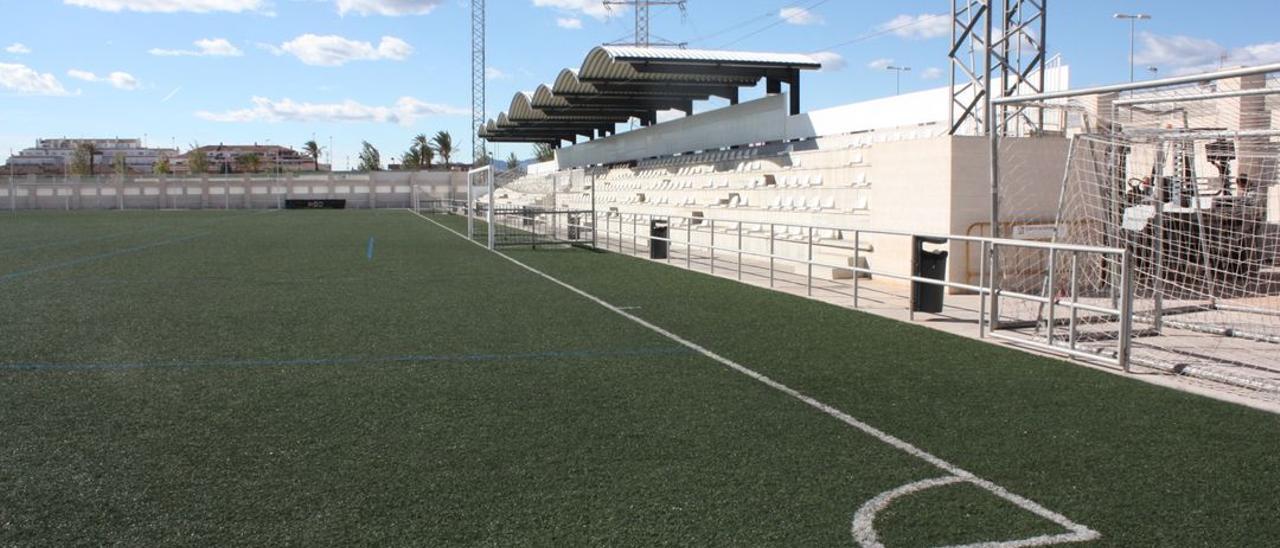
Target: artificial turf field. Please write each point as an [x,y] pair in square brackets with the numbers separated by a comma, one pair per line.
[214,378]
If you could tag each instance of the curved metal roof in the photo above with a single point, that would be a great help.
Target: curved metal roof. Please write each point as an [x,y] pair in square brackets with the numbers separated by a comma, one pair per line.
[617,83]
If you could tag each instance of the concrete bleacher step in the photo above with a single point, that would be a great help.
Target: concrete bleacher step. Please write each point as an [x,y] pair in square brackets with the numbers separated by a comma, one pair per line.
[838,259]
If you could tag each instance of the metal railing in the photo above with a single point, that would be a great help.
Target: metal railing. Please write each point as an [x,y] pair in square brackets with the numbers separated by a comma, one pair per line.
[728,248]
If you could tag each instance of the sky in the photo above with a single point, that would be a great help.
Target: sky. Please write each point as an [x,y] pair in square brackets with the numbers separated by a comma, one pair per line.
[182,72]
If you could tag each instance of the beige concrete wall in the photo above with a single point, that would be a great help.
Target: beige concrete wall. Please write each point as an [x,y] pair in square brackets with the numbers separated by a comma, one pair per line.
[910,191]
[1030,184]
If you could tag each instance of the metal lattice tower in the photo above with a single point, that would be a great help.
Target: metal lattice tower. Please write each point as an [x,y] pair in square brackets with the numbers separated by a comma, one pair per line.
[642,17]
[477,79]
[982,49]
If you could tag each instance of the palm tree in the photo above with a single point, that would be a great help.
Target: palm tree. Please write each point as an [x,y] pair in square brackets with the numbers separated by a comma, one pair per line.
[412,159]
[119,164]
[423,145]
[370,158]
[426,155]
[161,166]
[443,143]
[513,161]
[313,149]
[544,152]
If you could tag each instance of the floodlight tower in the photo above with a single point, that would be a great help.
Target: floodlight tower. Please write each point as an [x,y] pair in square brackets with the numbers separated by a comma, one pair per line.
[477,79]
[992,39]
[642,17]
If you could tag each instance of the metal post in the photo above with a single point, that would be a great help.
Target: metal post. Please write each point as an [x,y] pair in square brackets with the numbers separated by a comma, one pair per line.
[982,299]
[772,229]
[712,248]
[808,282]
[471,221]
[1126,309]
[993,143]
[857,254]
[739,250]
[489,229]
[594,222]
[688,244]
[1157,262]
[1049,294]
[1075,292]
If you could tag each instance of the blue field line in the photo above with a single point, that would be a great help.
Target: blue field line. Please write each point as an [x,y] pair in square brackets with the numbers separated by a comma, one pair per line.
[97,257]
[567,354]
[369,250]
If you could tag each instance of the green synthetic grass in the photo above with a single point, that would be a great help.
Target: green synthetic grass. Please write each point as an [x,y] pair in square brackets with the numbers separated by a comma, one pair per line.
[253,378]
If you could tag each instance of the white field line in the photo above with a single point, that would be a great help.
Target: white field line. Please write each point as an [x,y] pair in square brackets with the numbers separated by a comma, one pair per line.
[1076,532]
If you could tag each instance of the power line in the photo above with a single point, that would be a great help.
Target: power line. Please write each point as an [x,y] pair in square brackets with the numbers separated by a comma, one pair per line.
[780,21]
[766,15]
[883,31]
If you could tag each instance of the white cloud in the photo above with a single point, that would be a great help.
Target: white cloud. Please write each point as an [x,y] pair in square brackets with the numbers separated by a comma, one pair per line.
[169,6]
[205,47]
[18,48]
[569,23]
[590,8]
[880,64]
[117,79]
[491,73]
[332,50]
[918,27]
[931,73]
[1189,55]
[404,112]
[799,16]
[831,61]
[26,80]
[388,7]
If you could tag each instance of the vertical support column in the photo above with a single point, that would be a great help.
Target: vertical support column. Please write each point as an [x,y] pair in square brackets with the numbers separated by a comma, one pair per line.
[993,145]
[794,90]
[1126,309]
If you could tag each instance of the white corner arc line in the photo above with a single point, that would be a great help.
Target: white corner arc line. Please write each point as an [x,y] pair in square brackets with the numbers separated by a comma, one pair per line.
[1076,532]
[863,529]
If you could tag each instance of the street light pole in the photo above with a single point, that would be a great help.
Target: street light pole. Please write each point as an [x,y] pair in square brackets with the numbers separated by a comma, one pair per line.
[1133,19]
[897,80]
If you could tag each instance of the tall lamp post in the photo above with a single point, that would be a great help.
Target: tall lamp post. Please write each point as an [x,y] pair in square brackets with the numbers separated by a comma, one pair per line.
[1133,19]
[897,80]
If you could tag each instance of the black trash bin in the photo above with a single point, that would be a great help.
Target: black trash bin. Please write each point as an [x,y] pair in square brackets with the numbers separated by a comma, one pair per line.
[574,221]
[926,297]
[659,238]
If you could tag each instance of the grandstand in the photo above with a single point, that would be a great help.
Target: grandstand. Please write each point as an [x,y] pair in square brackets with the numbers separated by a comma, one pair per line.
[850,192]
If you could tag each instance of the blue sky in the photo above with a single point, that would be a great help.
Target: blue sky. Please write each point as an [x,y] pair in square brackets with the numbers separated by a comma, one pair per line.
[281,71]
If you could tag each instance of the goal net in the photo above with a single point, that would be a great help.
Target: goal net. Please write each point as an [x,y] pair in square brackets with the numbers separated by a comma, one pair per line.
[1186,178]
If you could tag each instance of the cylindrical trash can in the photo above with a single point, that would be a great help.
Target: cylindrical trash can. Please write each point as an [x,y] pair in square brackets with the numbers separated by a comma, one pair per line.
[927,297]
[574,221]
[659,238]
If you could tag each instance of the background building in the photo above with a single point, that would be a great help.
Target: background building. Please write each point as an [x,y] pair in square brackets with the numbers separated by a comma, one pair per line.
[54,156]
[253,158]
